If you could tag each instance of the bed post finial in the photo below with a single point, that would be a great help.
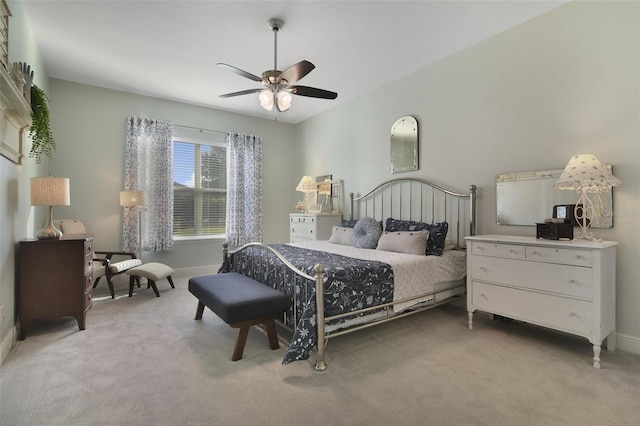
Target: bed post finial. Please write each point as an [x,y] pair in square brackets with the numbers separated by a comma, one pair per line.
[472,208]
[351,195]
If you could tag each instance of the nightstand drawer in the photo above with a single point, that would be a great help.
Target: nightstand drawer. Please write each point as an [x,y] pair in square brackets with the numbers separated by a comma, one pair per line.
[560,313]
[502,250]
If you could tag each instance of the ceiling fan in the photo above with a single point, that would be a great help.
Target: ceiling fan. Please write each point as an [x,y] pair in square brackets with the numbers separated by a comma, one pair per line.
[279,85]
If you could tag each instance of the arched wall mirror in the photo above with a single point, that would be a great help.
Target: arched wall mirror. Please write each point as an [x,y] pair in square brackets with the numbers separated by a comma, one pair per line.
[404,145]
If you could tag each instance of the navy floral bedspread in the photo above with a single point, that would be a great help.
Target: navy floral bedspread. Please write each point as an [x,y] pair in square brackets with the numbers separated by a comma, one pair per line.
[350,284]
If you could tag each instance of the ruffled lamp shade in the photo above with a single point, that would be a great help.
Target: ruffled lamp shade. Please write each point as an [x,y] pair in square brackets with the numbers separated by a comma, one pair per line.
[307,185]
[589,177]
[585,171]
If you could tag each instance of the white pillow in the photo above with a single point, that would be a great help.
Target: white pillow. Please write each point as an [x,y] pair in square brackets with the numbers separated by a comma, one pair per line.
[341,235]
[72,226]
[409,242]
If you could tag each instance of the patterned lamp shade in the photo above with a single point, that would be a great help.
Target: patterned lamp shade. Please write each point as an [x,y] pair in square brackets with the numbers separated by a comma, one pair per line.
[50,191]
[585,171]
[307,184]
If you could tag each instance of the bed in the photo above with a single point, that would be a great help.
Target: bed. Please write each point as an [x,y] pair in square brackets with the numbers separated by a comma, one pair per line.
[359,277]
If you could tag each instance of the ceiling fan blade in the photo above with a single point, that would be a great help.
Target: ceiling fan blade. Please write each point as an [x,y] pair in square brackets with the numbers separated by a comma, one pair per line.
[242,92]
[296,72]
[240,72]
[312,92]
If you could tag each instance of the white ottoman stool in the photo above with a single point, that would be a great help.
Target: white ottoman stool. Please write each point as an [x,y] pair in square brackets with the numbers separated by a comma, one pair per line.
[152,272]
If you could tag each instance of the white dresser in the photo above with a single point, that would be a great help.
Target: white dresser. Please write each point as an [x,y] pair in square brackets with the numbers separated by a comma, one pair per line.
[311,227]
[564,285]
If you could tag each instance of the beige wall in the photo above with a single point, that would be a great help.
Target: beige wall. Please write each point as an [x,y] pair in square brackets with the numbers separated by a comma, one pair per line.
[528,99]
[89,124]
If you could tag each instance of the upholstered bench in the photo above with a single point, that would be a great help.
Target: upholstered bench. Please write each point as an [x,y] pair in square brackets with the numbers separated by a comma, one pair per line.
[240,302]
[153,272]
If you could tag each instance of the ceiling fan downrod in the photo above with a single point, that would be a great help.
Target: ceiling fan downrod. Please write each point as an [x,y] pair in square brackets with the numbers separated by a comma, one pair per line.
[275,24]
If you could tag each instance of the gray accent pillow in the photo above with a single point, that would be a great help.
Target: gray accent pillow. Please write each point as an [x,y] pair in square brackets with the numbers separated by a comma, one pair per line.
[409,242]
[341,235]
[366,233]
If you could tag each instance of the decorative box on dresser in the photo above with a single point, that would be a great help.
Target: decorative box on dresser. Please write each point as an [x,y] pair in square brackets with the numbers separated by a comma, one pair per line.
[55,279]
[568,286]
[312,227]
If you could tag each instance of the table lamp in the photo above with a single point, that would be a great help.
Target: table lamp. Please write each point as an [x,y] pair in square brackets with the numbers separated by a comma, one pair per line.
[590,178]
[49,191]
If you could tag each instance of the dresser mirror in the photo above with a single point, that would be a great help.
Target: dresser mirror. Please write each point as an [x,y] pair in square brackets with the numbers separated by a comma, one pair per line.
[527,198]
[404,145]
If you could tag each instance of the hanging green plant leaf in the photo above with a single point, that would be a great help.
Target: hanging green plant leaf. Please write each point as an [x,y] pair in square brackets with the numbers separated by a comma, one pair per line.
[42,142]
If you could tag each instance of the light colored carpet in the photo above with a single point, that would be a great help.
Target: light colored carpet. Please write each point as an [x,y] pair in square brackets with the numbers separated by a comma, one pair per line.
[146,361]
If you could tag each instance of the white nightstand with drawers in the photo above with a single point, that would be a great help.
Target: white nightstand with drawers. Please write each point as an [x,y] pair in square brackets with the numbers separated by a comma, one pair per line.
[311,227]
[568,286]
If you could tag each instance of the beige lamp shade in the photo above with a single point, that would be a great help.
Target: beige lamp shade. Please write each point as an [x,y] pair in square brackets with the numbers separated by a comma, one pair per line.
[132,198]
[50,191]
[585,171]
[307,184]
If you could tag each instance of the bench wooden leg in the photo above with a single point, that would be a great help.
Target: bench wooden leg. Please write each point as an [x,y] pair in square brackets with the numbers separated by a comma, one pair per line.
[270,326]
[171,281]
[199,310]
[240,342]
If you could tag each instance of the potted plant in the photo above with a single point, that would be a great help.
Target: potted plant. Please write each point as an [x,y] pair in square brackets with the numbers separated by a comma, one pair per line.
[42,142]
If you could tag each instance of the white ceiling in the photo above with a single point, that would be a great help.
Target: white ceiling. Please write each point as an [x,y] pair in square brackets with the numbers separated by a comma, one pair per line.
[169,49]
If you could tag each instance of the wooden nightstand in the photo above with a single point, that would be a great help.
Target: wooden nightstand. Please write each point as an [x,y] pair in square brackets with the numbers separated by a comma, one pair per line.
[55,279]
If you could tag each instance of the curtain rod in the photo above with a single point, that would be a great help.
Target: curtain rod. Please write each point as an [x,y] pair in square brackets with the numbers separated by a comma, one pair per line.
[200,129]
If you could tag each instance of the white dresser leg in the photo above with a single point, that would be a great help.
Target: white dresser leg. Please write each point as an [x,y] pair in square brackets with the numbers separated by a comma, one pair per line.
[470,320]
[596,356]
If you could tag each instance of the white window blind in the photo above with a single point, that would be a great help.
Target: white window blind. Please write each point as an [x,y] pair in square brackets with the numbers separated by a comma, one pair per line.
[199,187]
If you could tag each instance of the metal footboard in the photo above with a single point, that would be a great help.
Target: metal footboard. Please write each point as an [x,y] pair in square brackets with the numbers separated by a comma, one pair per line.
[258,265]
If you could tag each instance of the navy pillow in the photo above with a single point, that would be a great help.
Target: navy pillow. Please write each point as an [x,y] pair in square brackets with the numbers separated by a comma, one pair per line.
[437,232]
[348,223]
[366,233]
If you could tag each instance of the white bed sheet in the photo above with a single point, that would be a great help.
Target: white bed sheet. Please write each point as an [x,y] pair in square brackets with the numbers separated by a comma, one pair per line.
[413,275]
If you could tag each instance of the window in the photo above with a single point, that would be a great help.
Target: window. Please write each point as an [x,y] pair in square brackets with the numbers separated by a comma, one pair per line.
[199,187]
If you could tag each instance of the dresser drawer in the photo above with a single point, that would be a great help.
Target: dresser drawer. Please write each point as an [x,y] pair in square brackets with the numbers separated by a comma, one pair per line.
[560,255]
[300,218]
[501,250]
[87,300]
[575,281]
[303,230]
[560,313]
[88,281]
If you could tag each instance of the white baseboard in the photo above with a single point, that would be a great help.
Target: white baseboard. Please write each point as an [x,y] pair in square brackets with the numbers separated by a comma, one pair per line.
[627,343]
[7,344]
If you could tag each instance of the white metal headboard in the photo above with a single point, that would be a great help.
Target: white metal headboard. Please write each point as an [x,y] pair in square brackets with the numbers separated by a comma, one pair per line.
[422,201]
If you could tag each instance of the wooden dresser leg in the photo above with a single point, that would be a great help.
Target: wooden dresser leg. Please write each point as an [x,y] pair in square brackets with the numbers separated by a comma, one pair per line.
[242,339]
[270,326]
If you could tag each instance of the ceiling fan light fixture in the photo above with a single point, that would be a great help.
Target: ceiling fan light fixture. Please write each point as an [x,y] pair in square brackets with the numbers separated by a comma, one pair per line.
[266,99]
[284,99]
